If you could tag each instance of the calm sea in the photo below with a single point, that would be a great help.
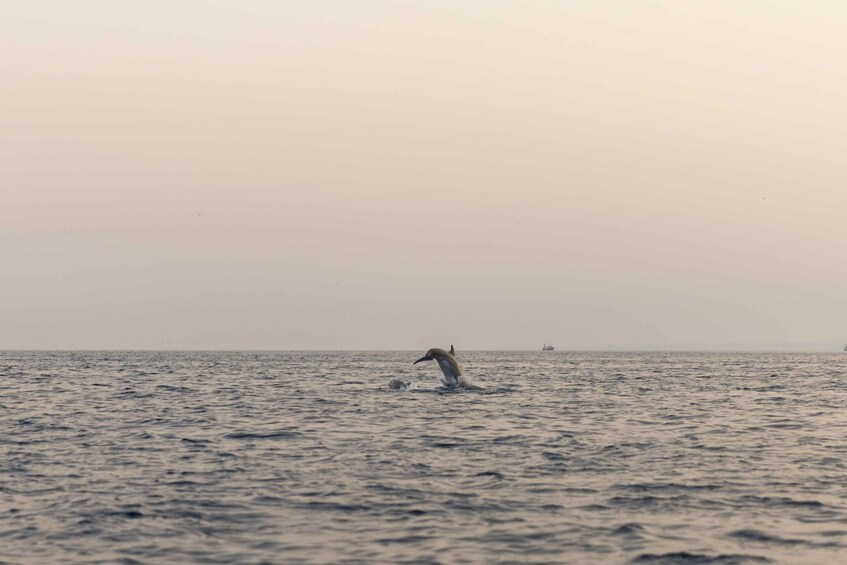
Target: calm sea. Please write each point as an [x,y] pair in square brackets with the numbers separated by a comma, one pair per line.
[160,457]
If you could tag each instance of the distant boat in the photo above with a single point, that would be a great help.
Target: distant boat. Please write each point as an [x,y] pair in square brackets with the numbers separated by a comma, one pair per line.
[546,347]
[845,348]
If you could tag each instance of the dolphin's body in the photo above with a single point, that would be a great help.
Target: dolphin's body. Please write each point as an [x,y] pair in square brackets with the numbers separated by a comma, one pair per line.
[453,375]
[397,384]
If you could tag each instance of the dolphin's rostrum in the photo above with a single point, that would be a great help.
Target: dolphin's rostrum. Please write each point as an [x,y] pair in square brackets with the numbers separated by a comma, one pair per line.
[453,374]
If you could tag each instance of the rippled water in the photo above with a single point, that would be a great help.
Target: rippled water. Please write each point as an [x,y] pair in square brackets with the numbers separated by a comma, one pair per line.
[309,457]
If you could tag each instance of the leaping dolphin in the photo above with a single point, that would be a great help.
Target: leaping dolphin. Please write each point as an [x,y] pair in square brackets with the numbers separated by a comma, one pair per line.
[453,375]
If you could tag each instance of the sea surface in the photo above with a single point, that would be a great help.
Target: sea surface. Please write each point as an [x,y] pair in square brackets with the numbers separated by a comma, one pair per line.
[288,457]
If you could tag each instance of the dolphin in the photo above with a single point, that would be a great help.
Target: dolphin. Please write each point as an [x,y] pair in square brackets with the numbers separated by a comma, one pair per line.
[453,375]
[397,384]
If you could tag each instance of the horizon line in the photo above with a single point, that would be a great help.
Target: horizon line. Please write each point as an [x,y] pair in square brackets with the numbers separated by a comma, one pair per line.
[749,349]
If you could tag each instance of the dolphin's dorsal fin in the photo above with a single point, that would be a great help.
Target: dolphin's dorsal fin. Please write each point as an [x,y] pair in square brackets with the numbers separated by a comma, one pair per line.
[452,351]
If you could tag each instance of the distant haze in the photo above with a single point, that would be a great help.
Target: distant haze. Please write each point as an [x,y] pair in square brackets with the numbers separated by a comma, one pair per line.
[392,175]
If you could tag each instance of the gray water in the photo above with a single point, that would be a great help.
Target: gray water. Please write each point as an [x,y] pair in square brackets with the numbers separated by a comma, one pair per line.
[146,457]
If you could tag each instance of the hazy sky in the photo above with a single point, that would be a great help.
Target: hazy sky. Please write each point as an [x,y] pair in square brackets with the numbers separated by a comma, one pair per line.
[392,175]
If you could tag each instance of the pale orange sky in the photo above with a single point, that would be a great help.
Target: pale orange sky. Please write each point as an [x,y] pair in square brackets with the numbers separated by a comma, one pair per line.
[381,175]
